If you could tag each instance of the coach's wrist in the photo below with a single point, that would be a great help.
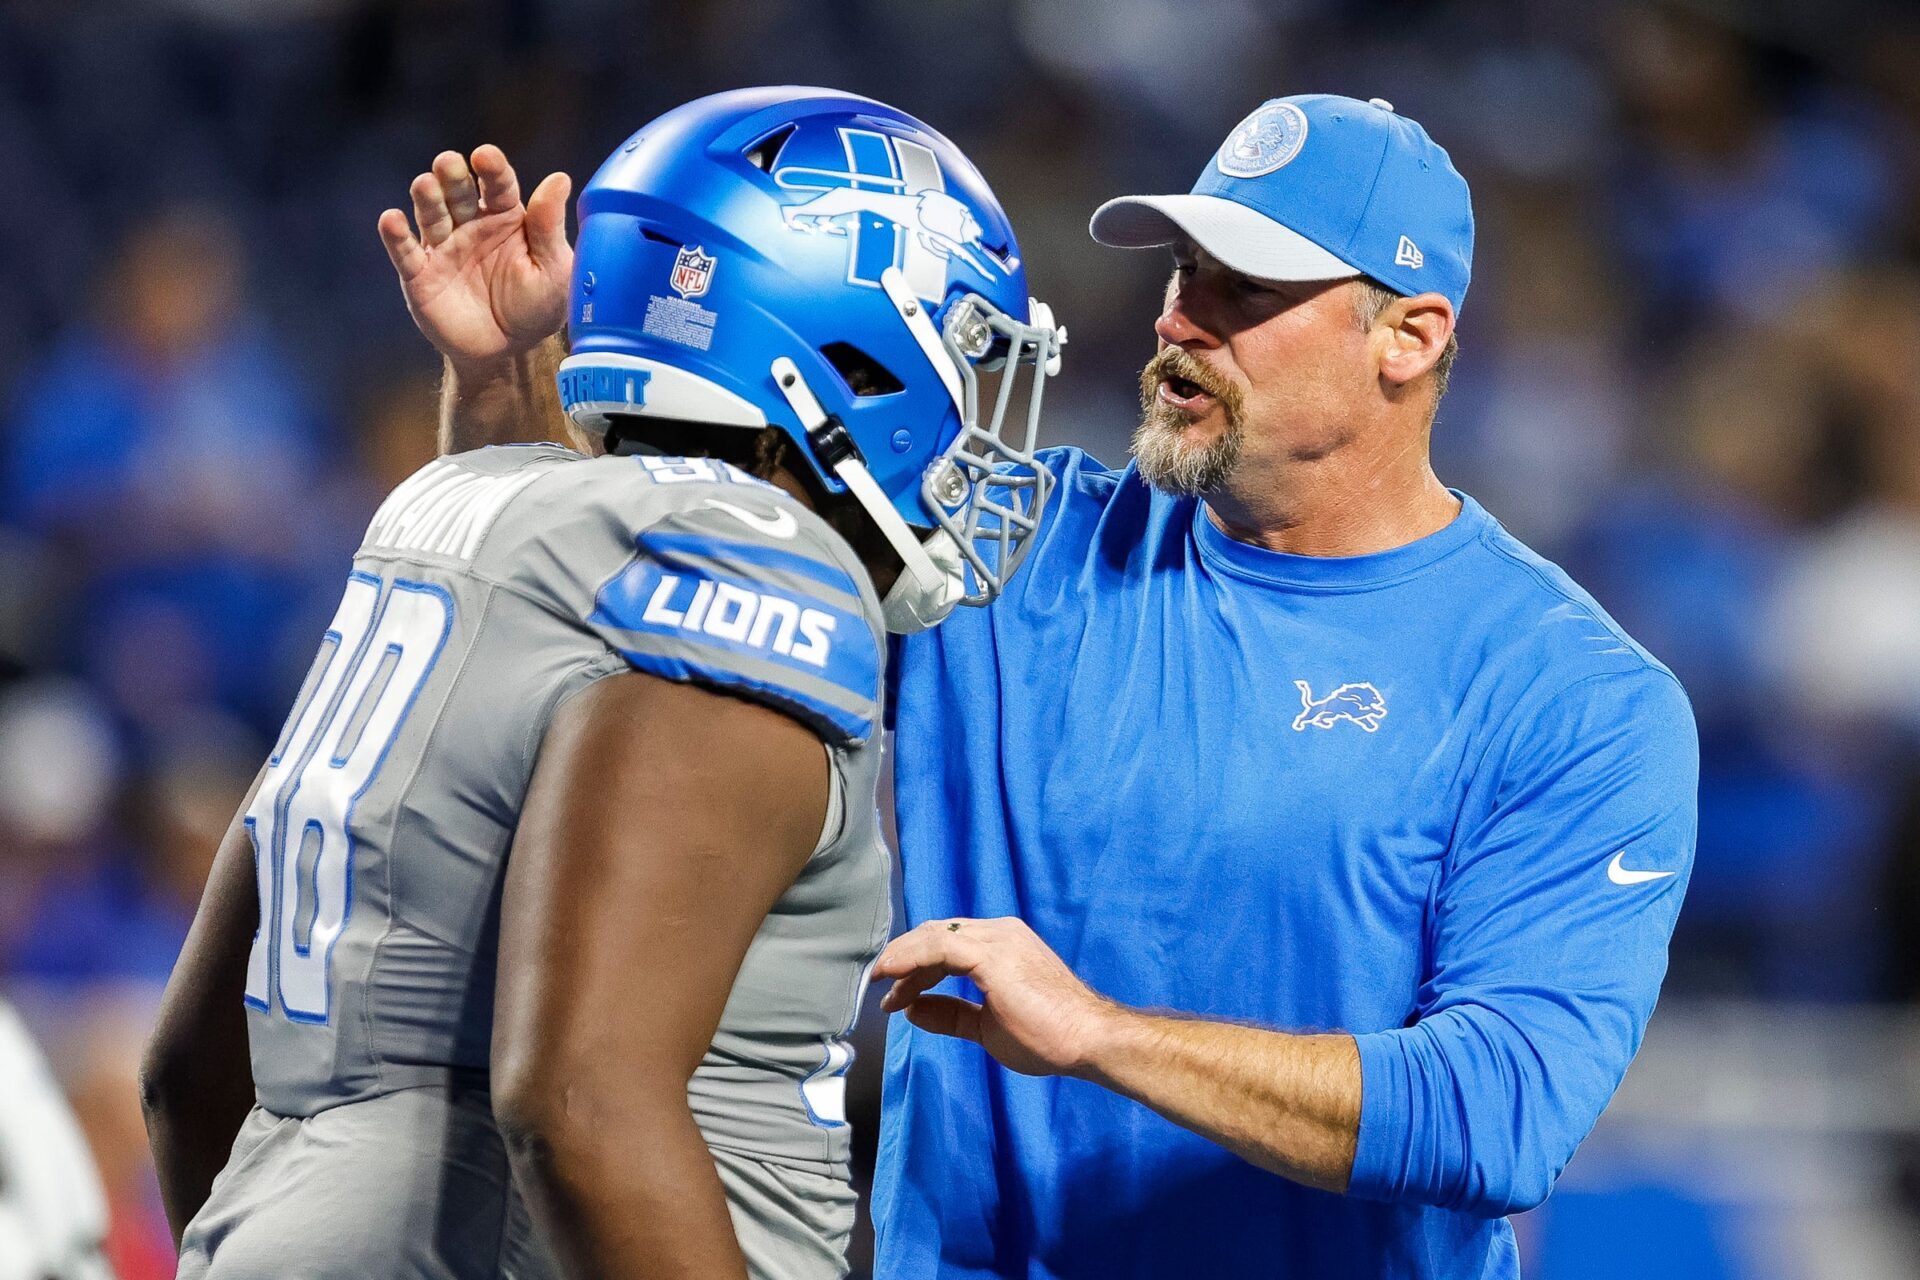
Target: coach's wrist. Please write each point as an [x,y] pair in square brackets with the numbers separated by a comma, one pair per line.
[1116,1037]
[510,399]
[511,369]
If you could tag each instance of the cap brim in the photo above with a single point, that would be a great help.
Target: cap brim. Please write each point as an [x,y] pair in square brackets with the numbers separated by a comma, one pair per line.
[1244,239]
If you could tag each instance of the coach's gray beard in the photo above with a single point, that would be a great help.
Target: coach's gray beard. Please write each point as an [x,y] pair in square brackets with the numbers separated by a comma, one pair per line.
[1167,462]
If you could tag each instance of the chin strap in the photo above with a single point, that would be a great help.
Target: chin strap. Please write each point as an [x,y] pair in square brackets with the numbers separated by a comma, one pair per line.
[913,312]
[854,474]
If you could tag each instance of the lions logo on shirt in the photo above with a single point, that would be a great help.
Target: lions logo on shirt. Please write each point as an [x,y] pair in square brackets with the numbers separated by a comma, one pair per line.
[1360,703]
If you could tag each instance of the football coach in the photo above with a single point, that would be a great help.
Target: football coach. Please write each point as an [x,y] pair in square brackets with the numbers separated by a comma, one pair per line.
[1343,832]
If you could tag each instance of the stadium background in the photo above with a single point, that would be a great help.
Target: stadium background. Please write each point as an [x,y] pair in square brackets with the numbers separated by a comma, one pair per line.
[1689,373]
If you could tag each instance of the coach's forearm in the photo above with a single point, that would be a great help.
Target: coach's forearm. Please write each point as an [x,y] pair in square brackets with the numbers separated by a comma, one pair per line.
[622,1185]
[512,401]
[1289,1103]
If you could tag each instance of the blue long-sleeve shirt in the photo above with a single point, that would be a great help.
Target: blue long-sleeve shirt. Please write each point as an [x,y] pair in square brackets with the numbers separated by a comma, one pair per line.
[1433,797]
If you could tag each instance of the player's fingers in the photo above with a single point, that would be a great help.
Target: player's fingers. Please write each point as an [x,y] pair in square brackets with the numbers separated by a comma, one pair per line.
[547,220]
[403,250]
[463,198]
[430,210]
[946,1016]
[499,184]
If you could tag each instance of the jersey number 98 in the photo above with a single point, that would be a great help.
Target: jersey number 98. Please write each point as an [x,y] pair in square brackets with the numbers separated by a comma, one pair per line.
[372,663]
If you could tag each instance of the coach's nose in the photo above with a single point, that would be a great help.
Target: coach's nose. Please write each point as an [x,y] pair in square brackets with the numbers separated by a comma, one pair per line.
[1181,324]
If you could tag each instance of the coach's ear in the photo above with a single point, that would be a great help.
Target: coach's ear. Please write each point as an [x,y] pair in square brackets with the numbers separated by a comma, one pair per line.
[1410,336]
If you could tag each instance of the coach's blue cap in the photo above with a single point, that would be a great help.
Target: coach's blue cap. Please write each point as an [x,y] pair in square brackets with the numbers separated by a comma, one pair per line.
[1318,187]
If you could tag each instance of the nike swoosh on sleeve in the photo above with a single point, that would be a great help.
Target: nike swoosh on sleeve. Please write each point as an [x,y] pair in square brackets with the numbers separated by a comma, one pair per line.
[779,525]
[1620,875]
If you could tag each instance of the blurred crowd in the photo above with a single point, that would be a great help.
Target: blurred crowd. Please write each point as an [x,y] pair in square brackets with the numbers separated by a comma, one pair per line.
[1689,374]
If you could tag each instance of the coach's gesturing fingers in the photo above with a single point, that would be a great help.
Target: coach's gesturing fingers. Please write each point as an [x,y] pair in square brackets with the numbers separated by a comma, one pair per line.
[430,209]
[918,959]
[485,277]
[1035,1016]
[457,186]
[547,226]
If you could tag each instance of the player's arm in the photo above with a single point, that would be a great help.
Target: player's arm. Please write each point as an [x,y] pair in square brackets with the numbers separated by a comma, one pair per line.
[485,278]
[1545,971]
[663,822]
[196,1077]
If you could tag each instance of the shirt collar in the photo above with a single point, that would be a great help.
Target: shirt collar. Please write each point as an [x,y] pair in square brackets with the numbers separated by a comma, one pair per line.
[1337,573]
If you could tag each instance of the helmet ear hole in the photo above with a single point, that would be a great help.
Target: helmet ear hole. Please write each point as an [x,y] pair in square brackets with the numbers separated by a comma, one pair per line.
[863,375]
[764,154]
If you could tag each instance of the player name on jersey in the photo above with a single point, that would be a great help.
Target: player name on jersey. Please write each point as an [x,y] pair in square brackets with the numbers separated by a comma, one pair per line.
[444,509]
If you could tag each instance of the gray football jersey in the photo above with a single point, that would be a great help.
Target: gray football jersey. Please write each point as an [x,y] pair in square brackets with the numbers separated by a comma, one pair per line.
[491,587]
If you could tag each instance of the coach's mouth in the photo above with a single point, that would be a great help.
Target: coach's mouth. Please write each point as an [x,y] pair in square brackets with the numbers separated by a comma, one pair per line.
[1185,395]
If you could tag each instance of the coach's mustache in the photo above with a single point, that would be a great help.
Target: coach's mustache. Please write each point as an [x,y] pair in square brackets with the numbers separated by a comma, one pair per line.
[1177,362]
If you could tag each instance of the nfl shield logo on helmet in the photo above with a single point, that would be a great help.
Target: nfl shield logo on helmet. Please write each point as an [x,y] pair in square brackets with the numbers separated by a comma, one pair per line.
[692,271]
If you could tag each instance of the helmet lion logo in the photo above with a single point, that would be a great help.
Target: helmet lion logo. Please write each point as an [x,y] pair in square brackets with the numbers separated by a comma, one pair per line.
[1358,702]
[941,223]
[898,181]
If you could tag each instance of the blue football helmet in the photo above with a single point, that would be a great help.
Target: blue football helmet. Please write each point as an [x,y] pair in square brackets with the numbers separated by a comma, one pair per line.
[825,264]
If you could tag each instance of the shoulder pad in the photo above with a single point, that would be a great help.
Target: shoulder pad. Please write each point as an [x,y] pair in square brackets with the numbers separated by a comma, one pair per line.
[741,588]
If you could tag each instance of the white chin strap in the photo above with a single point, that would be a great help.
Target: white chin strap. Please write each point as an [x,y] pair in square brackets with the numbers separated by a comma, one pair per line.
[925,592]
[913,313]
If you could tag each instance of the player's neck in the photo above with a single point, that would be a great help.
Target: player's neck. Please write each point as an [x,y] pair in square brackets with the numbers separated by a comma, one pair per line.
[1352,502]
[883,564]
[782,478]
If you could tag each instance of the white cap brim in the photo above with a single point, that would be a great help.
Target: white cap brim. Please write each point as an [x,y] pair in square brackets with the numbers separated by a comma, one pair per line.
[1243,239]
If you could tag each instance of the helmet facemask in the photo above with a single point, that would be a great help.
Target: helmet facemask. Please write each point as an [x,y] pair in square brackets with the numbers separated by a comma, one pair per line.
[987,491]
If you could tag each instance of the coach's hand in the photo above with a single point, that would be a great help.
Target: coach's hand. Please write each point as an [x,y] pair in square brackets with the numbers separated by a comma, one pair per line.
[1036,1017]
[487,276]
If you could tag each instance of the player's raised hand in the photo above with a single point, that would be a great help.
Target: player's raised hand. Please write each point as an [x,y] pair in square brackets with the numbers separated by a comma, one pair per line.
[486,276]
[1037,1018]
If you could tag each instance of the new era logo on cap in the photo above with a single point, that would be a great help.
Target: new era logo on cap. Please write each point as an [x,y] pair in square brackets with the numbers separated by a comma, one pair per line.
[1409,255]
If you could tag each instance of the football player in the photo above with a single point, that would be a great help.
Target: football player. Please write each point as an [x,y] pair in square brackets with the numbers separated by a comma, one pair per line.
[549,913]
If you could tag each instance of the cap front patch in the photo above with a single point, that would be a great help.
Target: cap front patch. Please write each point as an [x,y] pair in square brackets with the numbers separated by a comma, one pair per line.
[1264,141]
